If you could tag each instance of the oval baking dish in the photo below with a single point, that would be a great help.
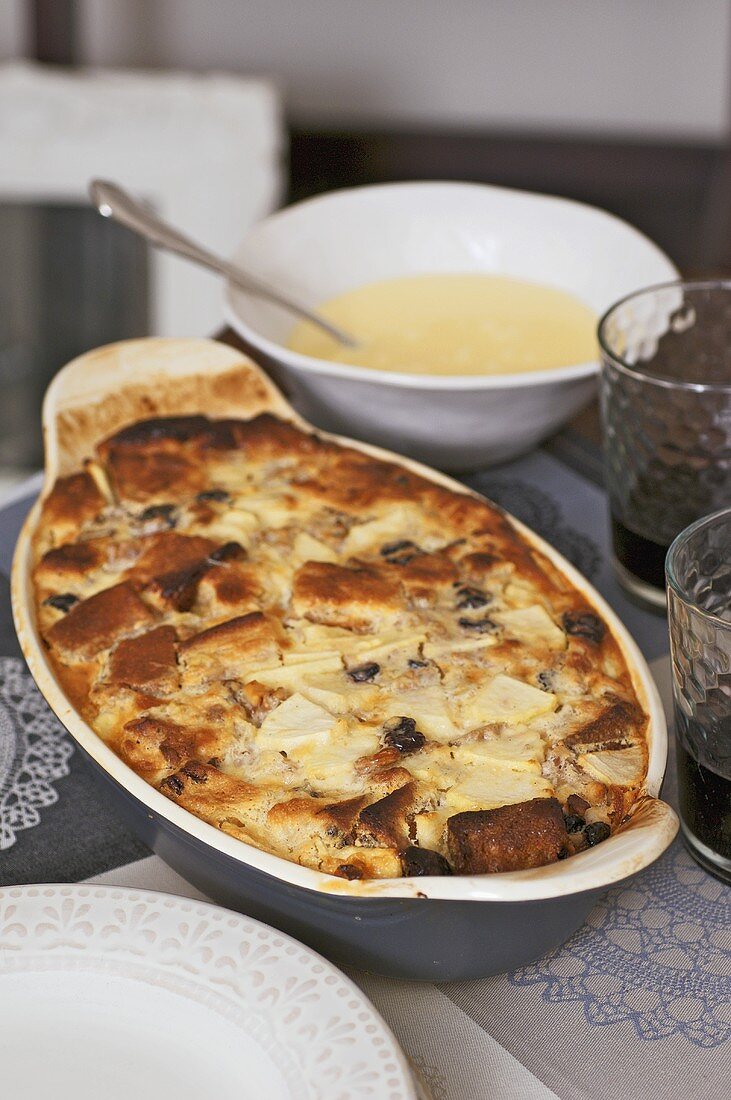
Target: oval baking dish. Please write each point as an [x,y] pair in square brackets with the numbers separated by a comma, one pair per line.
[442,928]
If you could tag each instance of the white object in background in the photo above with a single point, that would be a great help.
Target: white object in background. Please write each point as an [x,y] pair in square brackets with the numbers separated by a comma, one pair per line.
[324,246]
[89,973]
[205,150]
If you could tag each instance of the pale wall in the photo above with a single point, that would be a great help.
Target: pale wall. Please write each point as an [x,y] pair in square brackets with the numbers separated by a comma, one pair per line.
[638,66]
[657,67]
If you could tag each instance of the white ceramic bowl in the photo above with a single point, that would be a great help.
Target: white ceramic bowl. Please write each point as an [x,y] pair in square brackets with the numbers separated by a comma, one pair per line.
[335,242]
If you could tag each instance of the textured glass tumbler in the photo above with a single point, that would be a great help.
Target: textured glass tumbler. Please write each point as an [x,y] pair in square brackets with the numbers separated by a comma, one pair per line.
[699,606]
[666,414]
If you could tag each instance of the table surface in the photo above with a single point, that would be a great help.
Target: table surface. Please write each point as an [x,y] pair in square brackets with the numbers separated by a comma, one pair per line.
[641,993]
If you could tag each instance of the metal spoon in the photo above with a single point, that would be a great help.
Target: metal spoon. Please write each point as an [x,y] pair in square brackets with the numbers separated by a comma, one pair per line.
[114,202]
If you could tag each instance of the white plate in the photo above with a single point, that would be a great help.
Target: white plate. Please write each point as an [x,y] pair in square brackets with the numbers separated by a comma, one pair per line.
[119,994]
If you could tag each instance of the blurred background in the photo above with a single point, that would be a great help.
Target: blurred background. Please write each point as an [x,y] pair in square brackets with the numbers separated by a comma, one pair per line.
[220,111]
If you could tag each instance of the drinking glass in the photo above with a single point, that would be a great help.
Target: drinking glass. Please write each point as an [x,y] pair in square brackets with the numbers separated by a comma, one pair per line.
[666,412]
[699,607]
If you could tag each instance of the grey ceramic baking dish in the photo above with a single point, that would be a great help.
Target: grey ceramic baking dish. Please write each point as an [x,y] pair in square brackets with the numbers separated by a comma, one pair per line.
[442,928]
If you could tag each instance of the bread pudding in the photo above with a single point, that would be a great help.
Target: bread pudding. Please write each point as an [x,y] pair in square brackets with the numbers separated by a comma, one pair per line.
[331,657]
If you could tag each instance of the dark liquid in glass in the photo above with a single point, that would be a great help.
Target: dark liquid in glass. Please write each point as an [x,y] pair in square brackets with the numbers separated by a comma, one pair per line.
[705,793]
[640,556]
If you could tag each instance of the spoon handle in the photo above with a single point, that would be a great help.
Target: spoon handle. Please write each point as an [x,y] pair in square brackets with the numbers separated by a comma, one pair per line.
[114,202]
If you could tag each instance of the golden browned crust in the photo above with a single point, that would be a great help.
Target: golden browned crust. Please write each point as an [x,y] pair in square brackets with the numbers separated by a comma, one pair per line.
[386,821]
[166,552]
[353,597]
[146,663]
[509,838]
[218,798]
[617,727]
[157,747]
[72,502]
[159,456]
[97,622]
[219,652]
[71,560]
[328,656]
[231,586]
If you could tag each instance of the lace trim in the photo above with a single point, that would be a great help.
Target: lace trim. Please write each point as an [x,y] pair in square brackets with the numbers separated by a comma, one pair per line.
[34,752]
[655,953]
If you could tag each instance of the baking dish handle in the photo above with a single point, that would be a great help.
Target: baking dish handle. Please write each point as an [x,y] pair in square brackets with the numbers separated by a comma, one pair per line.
[101,391]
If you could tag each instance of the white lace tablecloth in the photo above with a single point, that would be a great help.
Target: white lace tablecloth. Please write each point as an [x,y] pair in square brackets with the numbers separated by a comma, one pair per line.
[34,752]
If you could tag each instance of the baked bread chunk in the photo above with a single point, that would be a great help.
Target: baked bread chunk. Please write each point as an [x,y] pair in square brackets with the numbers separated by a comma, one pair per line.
[331,657]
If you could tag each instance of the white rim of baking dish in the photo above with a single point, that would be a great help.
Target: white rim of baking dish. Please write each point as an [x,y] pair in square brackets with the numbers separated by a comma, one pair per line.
[406,379]
[652,824]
